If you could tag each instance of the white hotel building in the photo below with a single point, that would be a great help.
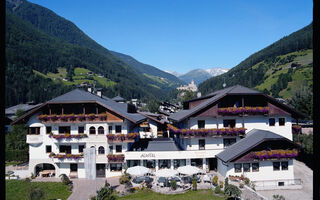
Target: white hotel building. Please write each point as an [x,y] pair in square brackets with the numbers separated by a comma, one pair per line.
[225,131]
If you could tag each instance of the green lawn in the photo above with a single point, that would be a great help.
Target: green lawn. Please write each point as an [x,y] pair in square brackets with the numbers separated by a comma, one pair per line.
[18,189]
[190,195]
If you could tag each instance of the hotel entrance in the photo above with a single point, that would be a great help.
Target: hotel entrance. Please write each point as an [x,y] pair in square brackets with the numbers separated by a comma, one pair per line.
[101,170]
[212,164]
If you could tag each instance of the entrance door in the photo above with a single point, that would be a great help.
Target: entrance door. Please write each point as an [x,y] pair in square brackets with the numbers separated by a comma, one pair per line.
[213,164]
[101,170]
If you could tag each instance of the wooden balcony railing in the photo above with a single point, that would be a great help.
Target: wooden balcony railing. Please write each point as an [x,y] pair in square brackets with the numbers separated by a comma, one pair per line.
[120,138]
[72,118]
[243,110]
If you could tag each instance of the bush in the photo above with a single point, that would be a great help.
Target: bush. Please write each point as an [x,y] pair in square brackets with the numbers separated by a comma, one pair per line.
[32,176]
[226,182]
[232,191]
[105,193]
[221,184]
[278,197]
[194,184]
[36,193]
[247,181]
[124,179]
[27,180]
[215,180]
[241,185]
[173,184]
[217,190]
[65,179]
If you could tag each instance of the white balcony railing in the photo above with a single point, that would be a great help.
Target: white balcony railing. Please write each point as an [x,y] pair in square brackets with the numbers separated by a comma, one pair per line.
[34,139]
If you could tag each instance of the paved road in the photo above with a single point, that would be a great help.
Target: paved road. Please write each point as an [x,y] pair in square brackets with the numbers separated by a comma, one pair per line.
[306,175]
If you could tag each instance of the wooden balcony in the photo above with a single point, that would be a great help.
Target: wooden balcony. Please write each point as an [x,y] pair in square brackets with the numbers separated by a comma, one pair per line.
[122,138]
[243,111]
[71,118]
[115,158]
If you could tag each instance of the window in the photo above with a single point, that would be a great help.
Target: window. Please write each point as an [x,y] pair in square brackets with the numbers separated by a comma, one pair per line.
[111,149]
[34,130]
[201,123]
[237,167]
[280,183]
[228,141]
[276,166]
[197,162]
[81,129]
[81,147]
[284,165]
[101,150]
[65,149]
[164,164]
[282,121]
[116,167]
[230,123]
[118,148]
[110,129]
[48,129]
[149,164]
[118,129]
[202,144]
[48,149]
[73,167]
[272,121]
[92,130]
[246,167]
[100,130]
[179,163]
[255,167]
[64,129]
[132,163]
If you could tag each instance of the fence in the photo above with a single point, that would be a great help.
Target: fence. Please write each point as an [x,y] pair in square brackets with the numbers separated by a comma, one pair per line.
[278,184]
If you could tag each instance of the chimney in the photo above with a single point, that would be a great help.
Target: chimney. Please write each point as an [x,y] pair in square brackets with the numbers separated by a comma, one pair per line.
[90,89]
[199,94]
[99,92]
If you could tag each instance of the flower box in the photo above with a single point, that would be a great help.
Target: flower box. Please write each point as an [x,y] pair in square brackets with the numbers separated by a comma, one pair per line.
[122,137]
[81,117]
[261,155]
[243,110]
[207,132]
[67,136]
[115,158]
[102,116]
[43,117]
[66,156]
[91,116]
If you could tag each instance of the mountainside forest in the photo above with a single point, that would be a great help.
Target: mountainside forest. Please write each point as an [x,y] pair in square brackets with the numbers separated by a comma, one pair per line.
[282,70]
[45,52]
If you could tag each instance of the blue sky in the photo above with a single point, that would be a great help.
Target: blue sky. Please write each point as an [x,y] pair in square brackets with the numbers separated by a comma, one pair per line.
[181,35]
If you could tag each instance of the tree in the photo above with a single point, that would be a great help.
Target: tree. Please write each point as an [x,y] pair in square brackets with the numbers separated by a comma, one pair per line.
[19,113]
[153,106]
[16,138]
[188,95]
[232,191]
[36,193]
[302,100]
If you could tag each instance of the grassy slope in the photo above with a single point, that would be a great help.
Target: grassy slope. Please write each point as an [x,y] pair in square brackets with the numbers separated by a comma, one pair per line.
[80,76]
[18,189]
[301,74]
[191,195]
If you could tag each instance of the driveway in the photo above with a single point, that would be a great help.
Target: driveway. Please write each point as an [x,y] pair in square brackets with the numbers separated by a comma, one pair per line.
[83,189]
[303,172]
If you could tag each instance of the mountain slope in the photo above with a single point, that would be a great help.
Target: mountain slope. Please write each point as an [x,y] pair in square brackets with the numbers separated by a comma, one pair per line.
[148,69]
[253,71]
[32,49]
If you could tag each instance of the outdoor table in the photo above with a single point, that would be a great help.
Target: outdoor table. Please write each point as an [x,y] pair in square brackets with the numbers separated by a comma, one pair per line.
[46,173]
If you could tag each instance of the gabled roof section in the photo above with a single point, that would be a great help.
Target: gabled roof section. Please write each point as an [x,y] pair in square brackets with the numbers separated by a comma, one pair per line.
[79,96]
[233,90]
[162,145]
[253,138]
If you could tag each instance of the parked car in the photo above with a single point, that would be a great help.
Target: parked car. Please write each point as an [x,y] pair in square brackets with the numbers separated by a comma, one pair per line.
[140,179]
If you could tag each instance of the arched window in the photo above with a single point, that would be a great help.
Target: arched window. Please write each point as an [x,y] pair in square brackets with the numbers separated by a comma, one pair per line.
[92,130]
[101,150]
[100,130]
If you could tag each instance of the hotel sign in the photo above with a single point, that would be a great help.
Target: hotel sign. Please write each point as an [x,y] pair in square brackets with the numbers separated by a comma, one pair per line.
[147,155]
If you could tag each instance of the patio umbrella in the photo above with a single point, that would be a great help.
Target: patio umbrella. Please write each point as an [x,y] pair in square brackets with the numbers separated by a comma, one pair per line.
[189,170]
[166,172]
[138,170]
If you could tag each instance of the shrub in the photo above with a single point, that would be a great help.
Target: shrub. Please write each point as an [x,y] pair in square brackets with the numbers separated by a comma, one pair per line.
[32,176]
[278,197]
[221,184]
[232,191]
[27,180]
[194,184]
[226,182]
[105,193]
[125,178]
[241,185]
[173,184]
[247,181]
[215,180]
[36,193]
[65,179]
[217,190]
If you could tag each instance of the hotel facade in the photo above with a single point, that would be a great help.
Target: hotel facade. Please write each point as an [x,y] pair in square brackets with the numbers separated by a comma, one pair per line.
[235,131]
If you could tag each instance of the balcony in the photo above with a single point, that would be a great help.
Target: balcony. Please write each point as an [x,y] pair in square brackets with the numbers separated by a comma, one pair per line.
[191,133]
[69,138]
[122,138]
[243,111]
[62,157]
[115,158]
[71,118]
[34,139]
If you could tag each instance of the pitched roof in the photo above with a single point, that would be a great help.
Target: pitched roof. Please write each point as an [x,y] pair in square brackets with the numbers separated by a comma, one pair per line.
[163,144]
[118,98]
[24,107]
[215,96]
[253,138]
[78,96]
